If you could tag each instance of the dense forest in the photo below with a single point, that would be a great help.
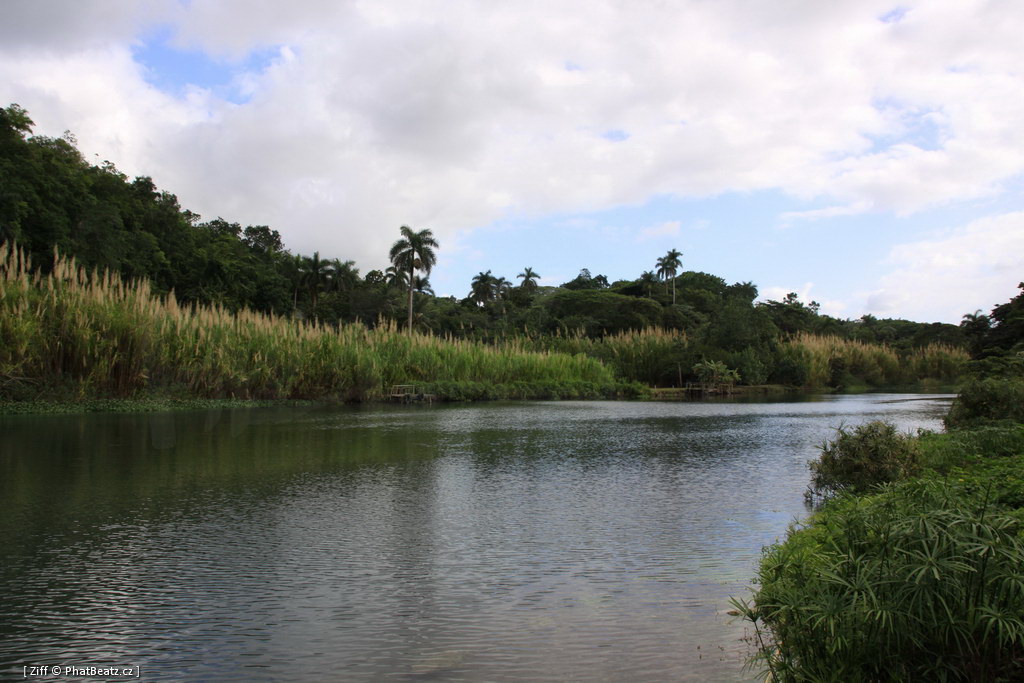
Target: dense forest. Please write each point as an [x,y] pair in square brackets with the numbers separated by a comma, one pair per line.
[53,201]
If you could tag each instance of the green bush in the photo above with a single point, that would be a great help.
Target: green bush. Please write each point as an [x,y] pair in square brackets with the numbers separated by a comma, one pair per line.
[922,581]
[751,367]
[961,447]
[987,401]
[861,458]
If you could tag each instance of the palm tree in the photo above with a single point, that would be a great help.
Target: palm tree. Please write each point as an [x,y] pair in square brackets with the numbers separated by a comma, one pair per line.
[501,289]
[422,285]
[482,288]
[393,277]
[341,275]
[648,278]
[668,266]
[530,277]
[314,275]
[292,265]
[414,251]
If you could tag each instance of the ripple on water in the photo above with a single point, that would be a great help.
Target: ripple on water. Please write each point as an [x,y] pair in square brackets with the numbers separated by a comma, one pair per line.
[526,541]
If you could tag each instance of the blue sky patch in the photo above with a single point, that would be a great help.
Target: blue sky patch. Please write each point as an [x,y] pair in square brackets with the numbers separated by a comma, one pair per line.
[615,135]
[173,70]
[894,16]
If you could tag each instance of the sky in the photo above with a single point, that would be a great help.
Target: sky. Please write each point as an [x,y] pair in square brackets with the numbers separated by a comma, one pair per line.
[868,155]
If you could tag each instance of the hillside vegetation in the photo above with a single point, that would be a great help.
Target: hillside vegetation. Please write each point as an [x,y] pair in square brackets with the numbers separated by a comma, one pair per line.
[659,329]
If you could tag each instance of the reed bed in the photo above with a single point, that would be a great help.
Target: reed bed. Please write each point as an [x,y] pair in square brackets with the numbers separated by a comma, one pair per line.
[93,334]
[827,359]
[648,355]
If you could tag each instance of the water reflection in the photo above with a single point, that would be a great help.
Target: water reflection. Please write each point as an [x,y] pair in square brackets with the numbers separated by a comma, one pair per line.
[531,541]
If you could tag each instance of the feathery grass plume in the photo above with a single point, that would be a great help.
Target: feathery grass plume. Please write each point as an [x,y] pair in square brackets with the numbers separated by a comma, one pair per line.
[827,360]
[93,334]
[651,356]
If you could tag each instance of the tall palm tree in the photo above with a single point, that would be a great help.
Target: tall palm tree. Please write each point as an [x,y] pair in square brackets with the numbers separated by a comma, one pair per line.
[292,265]
[482,288]
[314,275]
[501,289]
[668,266]
[414,251]
[529,277]
[341,275]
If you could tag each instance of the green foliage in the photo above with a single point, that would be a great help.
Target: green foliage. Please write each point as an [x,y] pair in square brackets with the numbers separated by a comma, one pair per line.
[987,401]
[600,312]
[52,198]
[715,372]
[923,581]
[860,458]
[967,447]
[1005,335]
[831,361]
[652,356]
[92,335]
[535,390]
[753,367]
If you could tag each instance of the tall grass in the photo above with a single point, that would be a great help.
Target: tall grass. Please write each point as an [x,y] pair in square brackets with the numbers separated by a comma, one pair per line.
[92,334]
[652,355]
[832,361]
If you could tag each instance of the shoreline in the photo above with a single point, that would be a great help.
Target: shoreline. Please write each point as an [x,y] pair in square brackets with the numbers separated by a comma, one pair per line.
[155,404]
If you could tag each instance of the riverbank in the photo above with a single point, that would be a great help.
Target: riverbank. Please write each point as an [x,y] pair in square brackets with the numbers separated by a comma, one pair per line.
[75,334]
[133,405]
[72,333]
[917,550]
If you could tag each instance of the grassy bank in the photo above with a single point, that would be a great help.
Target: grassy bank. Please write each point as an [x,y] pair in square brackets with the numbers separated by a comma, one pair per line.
[78,334]
[826,361]
[131,405]
[658,357]
[913,568]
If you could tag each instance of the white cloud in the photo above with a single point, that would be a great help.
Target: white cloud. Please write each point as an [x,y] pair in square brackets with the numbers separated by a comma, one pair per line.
[451,115]
[833,307]
[973,267]
[789,217]
[666,229]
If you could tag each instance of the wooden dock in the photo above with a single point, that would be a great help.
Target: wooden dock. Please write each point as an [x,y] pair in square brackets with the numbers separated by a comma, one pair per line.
[700,389]
[409,393]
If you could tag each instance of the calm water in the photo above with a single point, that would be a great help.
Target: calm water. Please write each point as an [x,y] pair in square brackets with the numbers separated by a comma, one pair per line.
[562,540]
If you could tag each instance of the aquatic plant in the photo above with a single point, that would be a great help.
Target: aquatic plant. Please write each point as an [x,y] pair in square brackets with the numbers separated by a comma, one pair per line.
[922,581]
[861,457]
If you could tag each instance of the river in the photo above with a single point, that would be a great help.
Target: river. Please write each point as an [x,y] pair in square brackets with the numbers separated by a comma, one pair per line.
[514,541]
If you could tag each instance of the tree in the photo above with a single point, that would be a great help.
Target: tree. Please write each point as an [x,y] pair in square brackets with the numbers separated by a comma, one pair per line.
[314,275]
[342,276]
[976,326]
[501,289]
[414,251]
[529,277]
[482,288]
[395,277]
[422,285]
[647,280]
[668,266]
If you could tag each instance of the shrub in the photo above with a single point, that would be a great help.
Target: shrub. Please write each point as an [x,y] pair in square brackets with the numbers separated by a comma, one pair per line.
[862,457]
[940,452]
[923,581]
[987,401]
